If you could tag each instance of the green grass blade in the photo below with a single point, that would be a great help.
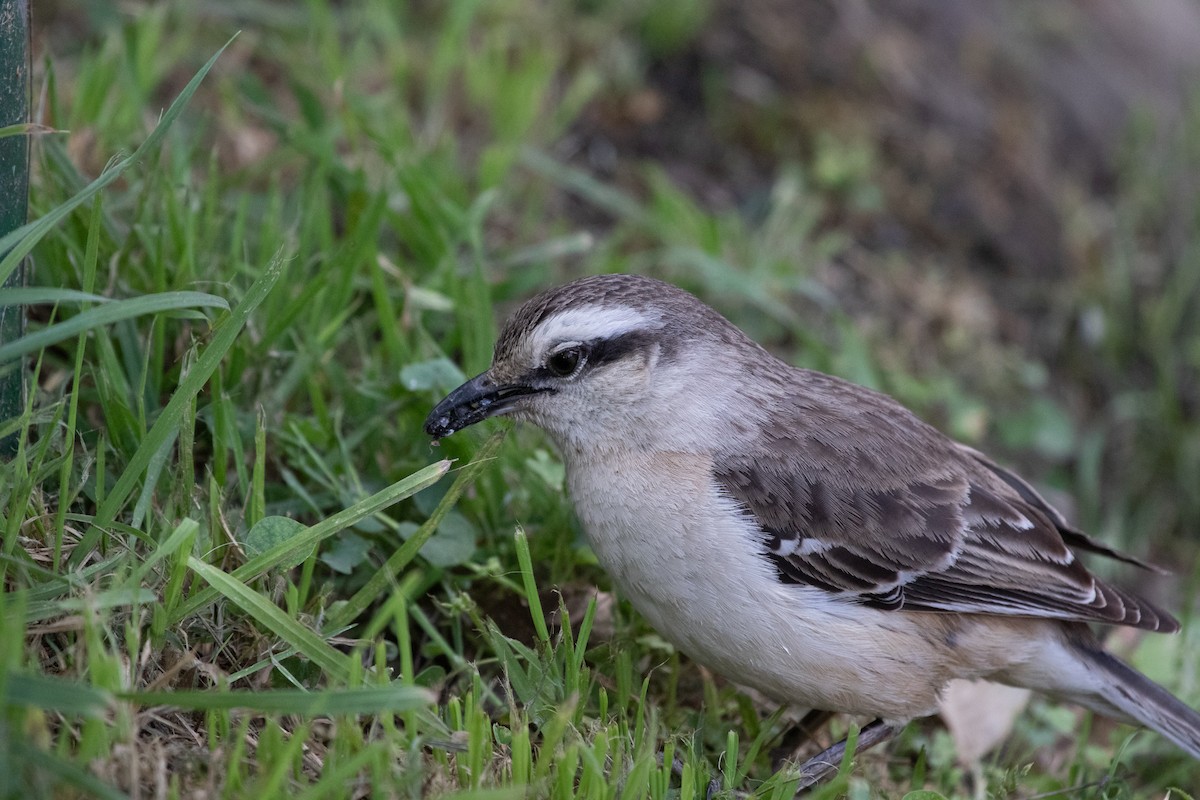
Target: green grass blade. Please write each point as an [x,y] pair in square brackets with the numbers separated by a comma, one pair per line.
[107,314]
[391,698]
[66,772]
[55,694]
[584,185]
[111,598]
[322,530]
[153,471]
[184,532]
[23,239]
[531,593]
[46,295]
[386,575]
[167,424]
[24,129]
[271,617]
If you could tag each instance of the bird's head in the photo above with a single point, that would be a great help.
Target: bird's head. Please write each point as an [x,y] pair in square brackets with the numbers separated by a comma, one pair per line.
[601,360]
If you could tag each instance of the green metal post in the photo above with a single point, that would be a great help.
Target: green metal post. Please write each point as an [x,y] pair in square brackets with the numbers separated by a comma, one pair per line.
[14,188]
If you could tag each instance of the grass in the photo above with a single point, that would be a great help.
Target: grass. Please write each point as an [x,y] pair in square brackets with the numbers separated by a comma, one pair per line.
[234,566]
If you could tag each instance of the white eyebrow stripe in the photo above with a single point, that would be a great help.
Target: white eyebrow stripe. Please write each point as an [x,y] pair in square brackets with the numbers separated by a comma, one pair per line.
[591,322]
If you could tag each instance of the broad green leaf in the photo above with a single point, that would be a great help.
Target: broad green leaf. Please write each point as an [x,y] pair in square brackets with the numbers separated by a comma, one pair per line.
[548,468]
[347,552]
[272,532]
[438,373]
[452,543]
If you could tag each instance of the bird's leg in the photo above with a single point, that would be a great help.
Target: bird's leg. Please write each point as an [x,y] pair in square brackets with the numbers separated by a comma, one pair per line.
[797,735]
[823,765]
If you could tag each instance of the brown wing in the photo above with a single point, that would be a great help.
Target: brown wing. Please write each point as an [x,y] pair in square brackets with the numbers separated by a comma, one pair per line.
[856,496]
[1072,536]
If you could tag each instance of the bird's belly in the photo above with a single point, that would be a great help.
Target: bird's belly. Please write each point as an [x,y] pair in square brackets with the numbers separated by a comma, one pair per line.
[693,565]
[792,645]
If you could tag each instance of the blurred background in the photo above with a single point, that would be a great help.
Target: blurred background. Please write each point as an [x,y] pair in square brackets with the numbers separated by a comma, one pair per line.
[990,211]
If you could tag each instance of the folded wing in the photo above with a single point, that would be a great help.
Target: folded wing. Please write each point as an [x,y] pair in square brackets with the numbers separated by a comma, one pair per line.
[886,511]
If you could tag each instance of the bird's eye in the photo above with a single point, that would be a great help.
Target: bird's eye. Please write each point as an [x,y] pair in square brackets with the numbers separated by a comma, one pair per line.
[565,362]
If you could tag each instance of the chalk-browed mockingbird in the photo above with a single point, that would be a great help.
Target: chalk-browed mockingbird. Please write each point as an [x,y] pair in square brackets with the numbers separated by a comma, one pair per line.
[798,533]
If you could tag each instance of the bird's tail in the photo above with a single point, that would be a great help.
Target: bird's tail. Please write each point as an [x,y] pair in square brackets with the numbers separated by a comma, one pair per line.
[1124,693]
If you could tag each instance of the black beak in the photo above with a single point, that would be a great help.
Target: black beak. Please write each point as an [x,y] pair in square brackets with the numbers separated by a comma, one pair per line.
[474,401]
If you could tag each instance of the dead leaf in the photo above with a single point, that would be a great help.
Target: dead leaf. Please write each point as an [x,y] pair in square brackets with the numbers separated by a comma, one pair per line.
[980,715]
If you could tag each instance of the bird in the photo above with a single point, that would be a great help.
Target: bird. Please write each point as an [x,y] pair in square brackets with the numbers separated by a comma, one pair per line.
[801,534]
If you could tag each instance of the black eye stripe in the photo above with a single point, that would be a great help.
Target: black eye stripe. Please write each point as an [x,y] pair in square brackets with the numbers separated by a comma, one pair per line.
[603,351]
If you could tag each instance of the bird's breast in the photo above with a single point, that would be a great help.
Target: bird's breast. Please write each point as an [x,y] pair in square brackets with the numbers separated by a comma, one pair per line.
[659,525]
[691,562]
